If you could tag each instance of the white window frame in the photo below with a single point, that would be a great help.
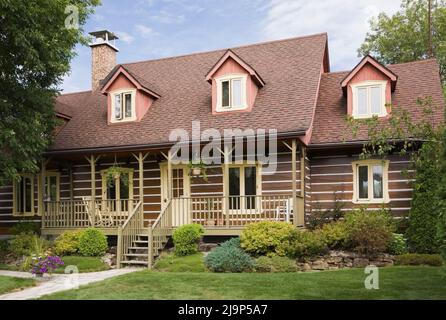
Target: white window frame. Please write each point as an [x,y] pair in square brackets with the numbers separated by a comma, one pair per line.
[113,110]
[242,167]
[230,78]
[370,164]
[368,85]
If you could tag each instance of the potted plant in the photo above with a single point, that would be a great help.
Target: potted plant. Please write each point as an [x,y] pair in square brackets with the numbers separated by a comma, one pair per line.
[198,169]
[114,172]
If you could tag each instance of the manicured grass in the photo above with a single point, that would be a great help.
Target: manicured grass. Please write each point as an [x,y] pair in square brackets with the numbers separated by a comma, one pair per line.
[394,283]
[8,284]
[84,264]
[171,263]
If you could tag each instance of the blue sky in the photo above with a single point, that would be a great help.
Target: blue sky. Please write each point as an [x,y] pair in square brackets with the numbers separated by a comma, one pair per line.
[150,29]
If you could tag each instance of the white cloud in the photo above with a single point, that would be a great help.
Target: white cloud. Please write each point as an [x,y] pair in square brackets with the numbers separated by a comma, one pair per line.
[144,30]
[167,17]
[124,36]
[345,21]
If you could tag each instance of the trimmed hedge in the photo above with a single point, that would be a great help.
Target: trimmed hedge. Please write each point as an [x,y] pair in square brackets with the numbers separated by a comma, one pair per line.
[419,259]
[186,237]
[92,243]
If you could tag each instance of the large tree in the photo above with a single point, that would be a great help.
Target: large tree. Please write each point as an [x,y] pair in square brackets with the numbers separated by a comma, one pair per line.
[37,40]
[404,36]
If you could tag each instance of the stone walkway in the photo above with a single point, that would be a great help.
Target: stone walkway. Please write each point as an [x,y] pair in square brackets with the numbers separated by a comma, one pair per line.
[59,282]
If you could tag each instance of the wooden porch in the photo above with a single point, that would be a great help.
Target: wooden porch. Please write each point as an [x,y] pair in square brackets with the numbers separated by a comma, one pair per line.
[218,215]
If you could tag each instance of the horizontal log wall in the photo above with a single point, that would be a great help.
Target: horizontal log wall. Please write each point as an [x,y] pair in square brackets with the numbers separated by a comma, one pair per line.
[332,181]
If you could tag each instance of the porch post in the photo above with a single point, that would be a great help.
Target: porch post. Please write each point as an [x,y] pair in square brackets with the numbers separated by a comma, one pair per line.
[226,185]
[293,178]
[93,177]
[169,184]
[41,189]
[301,207]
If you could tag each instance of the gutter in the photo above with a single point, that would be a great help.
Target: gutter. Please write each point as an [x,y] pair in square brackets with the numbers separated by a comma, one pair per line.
[155,146]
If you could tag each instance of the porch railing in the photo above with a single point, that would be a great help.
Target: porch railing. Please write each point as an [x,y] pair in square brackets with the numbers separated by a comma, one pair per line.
[130,230]
[159,231]
[235,211]
[73,214]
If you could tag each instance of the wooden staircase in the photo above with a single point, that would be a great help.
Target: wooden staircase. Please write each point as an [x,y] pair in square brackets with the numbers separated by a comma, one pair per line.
[139,245]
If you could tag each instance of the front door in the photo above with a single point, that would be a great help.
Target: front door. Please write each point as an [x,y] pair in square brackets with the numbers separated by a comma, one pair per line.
[180,193]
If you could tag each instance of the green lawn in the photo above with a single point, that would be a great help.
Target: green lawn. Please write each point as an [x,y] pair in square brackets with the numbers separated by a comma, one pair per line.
[84,264]
[395,283]
[8,284]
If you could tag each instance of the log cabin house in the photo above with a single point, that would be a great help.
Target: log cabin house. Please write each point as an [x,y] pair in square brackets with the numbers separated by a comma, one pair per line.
[125,120]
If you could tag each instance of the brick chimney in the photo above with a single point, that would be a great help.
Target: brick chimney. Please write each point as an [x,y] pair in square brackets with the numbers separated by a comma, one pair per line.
[103,56]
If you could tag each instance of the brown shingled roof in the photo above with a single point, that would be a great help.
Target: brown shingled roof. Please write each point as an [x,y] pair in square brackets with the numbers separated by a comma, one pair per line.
[415,80]
[290,68]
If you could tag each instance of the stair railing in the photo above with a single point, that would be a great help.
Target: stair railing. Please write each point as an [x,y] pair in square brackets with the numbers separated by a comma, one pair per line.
[159,232]
[129,231]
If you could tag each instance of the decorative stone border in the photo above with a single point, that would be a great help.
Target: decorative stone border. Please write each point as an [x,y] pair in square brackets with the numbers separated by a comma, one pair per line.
[343,260]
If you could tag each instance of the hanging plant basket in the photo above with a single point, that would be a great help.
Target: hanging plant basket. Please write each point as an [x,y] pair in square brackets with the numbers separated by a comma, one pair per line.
[115,172]
[198,169]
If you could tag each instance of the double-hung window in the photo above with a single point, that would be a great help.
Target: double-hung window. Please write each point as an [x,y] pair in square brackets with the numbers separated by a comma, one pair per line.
[123,106]
[231,93]
[370,181]
[369,99]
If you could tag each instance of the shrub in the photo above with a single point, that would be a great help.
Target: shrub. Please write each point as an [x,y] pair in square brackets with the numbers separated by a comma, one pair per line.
[369,232]
[185,239]
[418,259]
[24,244]
[38,253]
[397,244]
[67,243]
[228,257]
[275,264]
[335,234]
[307,244]
[92,242]
[268,238]
[26,227]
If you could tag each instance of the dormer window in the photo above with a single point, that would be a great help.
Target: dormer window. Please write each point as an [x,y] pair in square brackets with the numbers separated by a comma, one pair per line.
[123,106]
[231,93]
[369,99]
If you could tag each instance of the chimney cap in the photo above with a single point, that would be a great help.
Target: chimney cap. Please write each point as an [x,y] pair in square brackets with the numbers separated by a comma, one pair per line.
[104,37]
[104,34]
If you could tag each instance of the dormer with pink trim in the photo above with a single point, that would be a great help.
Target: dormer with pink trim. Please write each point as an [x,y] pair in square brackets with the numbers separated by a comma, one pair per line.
[234,84]
[368,89]
[128,98]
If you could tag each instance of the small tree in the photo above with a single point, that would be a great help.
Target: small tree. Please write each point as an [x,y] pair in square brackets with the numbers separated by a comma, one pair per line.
[421,139]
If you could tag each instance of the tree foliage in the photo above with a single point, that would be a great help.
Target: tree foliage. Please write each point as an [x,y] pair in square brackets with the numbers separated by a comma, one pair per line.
[404,36]
[35,51]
